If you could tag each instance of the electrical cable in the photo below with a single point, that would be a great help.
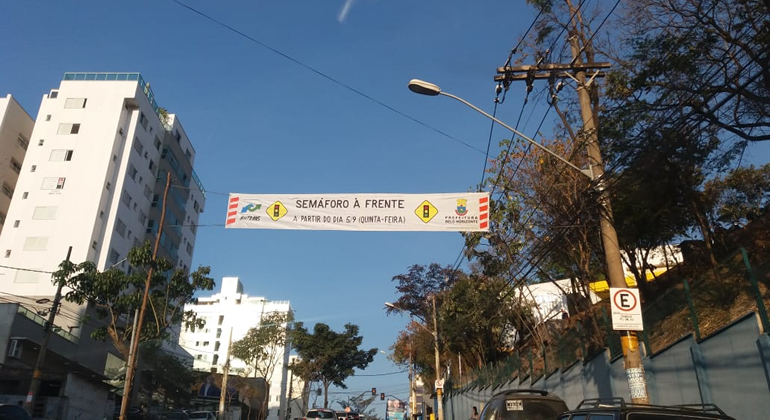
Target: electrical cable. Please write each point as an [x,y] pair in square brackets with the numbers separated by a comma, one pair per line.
[324,75]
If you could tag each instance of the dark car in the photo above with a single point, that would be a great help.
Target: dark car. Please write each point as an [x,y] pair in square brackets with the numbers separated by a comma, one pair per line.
[132,413]
[13,412]
[176,415]
[618,409]
[523,404]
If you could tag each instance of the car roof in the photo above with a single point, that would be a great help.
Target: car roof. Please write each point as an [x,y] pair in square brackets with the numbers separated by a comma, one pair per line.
[618,404]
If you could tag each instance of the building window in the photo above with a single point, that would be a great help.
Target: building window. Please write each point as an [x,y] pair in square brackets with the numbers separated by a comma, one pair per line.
[16,223]
[33,168]
[138,145]
[60,155]
[68,128]
[216,346]
[44,213]
[142,120]
[198,356]
[24,195]
[142,217]
[132,171]
[189,249]
[219,333]
[120,227]
[113,258]
[15,165]
[157,143]
[7,190]
[125,198]
[75,103]
[215,360]
[53,183]
[54,94]
[40,142]
[151,166]
[36,243]
[22,141]
[148,193]
[48,117]
[7,253]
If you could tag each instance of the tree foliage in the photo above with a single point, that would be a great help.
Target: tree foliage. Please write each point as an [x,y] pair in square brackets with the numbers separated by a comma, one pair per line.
[417,285]
[327,356]
[115,296]
[262,348]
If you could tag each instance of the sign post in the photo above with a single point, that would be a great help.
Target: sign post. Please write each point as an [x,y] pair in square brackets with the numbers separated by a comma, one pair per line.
[626,309]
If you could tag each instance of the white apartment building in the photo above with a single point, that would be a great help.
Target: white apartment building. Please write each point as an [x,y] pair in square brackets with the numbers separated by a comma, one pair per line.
[232,310]
[15,130]
[93,178]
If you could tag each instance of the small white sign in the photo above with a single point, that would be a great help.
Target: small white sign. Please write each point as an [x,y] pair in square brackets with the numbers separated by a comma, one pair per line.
[514,405]
[626,309]
[439,384]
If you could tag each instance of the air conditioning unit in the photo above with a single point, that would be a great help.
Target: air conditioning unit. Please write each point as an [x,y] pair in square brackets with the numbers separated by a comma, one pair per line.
[14,349]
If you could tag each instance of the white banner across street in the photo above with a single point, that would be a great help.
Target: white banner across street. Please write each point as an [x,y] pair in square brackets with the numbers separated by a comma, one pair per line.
[364,212]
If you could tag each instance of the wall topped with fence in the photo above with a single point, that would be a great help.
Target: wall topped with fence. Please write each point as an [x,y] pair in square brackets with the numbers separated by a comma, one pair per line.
[701,345]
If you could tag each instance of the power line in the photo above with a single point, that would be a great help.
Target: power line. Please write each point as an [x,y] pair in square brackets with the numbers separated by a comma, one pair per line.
[323,75]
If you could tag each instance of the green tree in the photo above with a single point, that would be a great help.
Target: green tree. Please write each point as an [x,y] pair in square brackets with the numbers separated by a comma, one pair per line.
[417,285]
[327,356]
[740,196]
[263,347]
[115,296]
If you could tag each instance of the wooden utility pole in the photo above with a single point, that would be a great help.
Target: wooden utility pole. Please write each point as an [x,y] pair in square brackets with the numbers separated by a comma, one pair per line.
[34,385]
[225,372]
[130,368]
[577,71]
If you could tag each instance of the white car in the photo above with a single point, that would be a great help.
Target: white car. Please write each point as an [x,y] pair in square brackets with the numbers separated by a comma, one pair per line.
[205,415]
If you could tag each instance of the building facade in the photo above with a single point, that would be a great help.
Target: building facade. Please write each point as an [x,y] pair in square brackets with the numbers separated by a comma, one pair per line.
[15,131]
[93,179]
[232,312]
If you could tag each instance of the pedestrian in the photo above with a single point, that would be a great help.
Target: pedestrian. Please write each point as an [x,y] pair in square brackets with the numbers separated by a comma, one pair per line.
[474,414]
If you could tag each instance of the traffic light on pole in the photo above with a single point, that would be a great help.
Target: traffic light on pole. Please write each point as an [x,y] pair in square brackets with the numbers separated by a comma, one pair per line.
[382,396]
[374,391]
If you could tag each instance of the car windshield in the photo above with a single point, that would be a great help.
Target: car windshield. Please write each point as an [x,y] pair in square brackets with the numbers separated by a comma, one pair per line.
[320,414]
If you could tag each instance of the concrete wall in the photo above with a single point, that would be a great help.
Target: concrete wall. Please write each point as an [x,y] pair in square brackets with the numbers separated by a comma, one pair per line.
[86,401]
[731,369]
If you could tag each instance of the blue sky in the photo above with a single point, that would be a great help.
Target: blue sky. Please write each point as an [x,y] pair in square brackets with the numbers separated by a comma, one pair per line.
[263,124]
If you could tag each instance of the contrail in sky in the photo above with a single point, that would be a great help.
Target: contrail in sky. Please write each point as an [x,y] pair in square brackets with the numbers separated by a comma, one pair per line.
[345,9]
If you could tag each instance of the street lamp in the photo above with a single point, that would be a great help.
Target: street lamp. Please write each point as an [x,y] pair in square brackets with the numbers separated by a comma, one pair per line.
[434,333]
[629,341]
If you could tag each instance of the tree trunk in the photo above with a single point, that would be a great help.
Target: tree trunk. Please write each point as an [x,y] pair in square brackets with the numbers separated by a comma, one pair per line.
[705,230]
[326,393]
[265,400]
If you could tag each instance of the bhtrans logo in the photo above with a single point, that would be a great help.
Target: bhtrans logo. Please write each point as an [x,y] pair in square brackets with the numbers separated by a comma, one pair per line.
[250,208]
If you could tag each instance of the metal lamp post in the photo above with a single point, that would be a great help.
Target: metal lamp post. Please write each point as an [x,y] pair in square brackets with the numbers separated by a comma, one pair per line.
[632,358]
[434,333]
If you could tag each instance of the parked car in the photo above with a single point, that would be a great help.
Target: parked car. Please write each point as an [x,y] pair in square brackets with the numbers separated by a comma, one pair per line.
[320,413]
[13,412]
[523,404]
[206,415]
[132,413]
[618,409]
[176,415]
[352,416]
[341,415]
